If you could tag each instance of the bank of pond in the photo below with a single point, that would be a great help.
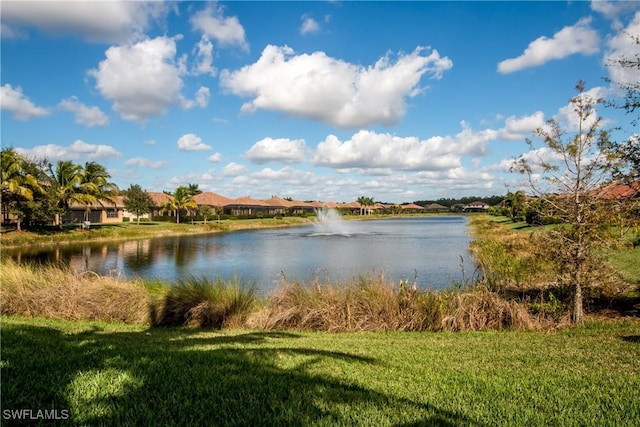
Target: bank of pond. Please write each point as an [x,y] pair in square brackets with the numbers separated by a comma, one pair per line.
[409,274]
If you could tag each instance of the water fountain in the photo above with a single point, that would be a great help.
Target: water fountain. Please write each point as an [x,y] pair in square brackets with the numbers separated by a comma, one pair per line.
[329,222]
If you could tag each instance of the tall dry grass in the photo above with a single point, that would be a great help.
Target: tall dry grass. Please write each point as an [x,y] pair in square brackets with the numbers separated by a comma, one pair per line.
[60,293]
[375,305]
[205,303]
[364,304]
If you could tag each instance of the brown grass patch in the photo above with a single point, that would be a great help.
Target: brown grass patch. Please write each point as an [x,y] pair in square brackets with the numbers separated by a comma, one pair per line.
[375,305]
[60,293]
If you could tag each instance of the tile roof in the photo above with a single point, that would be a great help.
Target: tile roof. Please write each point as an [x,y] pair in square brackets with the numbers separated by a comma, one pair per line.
[117,201]
[246,201]
[211,199]
[435,206]
[158,198]
[412,206]
[616,191]
[279,202]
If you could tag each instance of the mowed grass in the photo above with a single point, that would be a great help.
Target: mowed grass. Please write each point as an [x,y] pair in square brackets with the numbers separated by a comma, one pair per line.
[115,374]
[131,230]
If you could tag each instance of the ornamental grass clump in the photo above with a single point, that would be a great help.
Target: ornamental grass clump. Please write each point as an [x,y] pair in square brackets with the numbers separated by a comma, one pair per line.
[60,293]
[371,304]
[366,304]
[481,309]
[206,303]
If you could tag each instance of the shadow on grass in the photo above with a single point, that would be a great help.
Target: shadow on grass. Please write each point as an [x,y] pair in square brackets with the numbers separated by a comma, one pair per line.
[632,338]
[177,377]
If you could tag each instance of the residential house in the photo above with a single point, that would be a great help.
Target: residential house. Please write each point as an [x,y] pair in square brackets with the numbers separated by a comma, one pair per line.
[215,201]
[247,206]
[412,208]
[477,206]
[102,211]
[435,207]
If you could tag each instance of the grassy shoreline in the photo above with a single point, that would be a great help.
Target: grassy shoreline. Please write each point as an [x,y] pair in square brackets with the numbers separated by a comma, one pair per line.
[132,231]
[517,292]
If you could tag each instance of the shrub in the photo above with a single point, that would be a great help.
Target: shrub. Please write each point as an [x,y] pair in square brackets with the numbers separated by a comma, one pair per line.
[202,302]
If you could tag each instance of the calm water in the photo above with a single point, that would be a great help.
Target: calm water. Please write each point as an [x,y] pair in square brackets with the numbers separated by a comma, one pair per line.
[429,247]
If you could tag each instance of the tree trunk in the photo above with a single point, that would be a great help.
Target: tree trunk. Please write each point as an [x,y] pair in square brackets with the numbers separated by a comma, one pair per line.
[577,314]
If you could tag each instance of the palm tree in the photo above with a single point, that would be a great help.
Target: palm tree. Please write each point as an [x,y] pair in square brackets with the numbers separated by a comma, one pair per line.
[67,178]
[17,183]
[193,189]
[365,202]
[180,199]
[360,201]
[95,183]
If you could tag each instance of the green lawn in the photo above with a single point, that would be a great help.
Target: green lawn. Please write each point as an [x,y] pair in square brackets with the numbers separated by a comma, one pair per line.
[131,230]
[110,374]
[626,261]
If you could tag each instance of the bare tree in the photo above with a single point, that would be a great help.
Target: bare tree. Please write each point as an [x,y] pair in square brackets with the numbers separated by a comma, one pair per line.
[567,174]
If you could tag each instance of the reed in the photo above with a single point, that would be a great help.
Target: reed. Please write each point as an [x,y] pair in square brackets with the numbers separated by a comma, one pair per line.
[202,302]
[60,293]
[371,304]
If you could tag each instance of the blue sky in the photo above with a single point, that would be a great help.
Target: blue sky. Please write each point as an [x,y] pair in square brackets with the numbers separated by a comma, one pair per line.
[399,101]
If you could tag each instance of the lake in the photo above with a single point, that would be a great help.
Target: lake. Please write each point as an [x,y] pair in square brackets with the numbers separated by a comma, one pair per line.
[432,250]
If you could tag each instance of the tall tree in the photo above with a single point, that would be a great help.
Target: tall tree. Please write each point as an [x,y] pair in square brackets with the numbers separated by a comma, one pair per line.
[138,201]
[95,182]
[17,184]
[570,178]
[193,189]
[516,204]
[365,203]
[66,179]
[180,199]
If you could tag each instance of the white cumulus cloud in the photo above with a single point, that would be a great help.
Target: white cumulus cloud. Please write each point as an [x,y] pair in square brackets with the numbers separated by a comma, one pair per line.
[111,21]
[13,100]
[145,163]
[204,58]
[367,149]
[233,169]
[613,10]
[226,30]
[83,114]
[281,149]
[579,38]
[192,142]
[623,45]
[318,87]
[309,25]
[215,158]
[142,79]
[78,150]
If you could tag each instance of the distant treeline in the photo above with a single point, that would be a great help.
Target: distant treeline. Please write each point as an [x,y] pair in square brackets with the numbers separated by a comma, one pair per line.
[491,201]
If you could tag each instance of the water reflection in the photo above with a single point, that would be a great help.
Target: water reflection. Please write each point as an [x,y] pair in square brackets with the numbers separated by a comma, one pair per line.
[429,248]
